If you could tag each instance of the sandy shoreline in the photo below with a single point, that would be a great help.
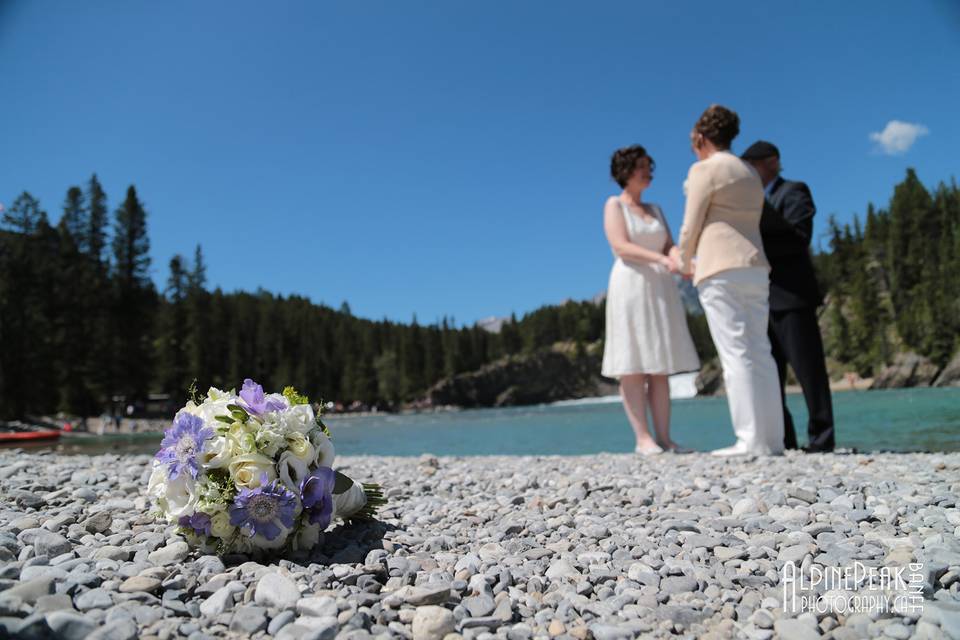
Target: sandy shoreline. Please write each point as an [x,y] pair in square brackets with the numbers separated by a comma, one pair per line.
[605,547]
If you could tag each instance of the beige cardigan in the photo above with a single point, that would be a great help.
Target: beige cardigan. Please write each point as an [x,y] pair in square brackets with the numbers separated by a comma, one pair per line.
[721,222]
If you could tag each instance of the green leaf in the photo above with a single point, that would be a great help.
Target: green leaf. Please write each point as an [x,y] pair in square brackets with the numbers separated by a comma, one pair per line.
[342,483]
[227,419]
[239,413]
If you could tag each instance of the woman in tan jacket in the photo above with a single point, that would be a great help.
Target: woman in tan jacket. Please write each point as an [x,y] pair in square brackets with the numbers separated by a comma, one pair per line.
[721,227]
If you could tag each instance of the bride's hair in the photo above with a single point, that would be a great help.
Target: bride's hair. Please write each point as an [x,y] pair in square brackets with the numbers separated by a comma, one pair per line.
[624,163]
[719,125]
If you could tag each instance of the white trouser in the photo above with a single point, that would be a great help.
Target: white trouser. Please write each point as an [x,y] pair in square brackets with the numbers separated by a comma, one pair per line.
[737,308]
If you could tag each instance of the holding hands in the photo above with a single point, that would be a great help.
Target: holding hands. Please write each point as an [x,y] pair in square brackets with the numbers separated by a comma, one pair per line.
[672,262]
[669,263]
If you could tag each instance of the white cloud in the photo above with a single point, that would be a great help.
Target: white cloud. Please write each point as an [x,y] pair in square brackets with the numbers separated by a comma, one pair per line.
[897,137]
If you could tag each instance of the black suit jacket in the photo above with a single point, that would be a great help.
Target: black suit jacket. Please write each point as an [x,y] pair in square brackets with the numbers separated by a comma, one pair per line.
[786,227]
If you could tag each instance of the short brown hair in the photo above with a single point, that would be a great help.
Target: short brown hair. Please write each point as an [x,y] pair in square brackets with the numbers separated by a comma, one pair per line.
[719,125]
[624,163]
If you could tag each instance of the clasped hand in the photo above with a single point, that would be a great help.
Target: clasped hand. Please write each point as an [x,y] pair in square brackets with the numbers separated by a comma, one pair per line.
[672,262]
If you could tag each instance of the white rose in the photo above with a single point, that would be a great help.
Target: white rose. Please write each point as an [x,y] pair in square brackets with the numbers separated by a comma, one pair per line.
[299,445]
[297,419]
[158,476]
[174,497]
[349,502]
[246,470]
[307,538]
[325,450]
[292,470]
[220,525]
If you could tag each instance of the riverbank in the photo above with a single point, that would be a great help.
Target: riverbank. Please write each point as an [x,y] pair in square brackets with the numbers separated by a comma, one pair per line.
[606,546]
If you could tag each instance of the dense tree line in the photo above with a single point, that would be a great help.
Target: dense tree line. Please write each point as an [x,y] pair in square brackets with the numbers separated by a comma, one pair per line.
[893,279]
[82,323]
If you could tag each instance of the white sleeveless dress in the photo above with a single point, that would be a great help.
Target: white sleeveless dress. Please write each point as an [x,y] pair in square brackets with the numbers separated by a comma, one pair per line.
[646,324]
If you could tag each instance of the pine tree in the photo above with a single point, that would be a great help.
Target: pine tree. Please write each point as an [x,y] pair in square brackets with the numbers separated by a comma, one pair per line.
[73,330]
[940,290]
[863,305]
[172,357]
[198,347]
[910,213]
[510,336]
[412,359]
[24,215]
[135,300]
[95,238]
[388,376]
[74,218]
[25,333]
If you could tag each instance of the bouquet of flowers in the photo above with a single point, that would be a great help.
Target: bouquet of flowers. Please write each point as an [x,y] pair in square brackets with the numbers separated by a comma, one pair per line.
[253,471]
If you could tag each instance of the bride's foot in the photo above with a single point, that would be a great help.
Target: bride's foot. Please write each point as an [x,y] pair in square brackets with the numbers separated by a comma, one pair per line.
[649,449]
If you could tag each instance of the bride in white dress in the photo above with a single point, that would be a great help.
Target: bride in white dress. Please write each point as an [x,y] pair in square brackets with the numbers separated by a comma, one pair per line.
[647,338]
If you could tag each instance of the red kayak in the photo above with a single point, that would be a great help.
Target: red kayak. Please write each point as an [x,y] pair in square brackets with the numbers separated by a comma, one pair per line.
[20,436]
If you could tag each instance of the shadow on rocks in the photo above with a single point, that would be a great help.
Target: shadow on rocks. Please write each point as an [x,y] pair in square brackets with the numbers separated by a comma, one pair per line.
[348,543]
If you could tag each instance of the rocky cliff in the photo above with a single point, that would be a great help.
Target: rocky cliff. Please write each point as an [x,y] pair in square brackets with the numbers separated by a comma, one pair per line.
[558,373]
[950,376]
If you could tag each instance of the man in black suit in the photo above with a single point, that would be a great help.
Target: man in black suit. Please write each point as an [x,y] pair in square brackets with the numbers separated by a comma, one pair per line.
[786,227]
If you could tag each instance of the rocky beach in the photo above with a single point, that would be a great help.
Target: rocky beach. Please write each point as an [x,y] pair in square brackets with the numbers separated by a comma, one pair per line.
[606,547]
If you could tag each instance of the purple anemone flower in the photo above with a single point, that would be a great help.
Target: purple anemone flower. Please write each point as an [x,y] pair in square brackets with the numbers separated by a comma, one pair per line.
[316,494]
[199,522]
[260,510]
[255,402]
[182,445]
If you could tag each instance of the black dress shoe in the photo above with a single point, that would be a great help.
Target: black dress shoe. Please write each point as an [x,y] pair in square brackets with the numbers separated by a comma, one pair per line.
[810,449]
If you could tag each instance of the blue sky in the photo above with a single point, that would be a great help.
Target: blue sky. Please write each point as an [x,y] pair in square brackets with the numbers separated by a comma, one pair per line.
[450,158]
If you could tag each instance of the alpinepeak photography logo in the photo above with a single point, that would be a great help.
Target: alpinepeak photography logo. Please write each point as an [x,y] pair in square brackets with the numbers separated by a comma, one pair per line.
[856,588]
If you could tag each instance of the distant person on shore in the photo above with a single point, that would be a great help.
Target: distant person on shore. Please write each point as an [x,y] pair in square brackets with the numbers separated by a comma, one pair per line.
[786,228]
[647,338]
[721,227]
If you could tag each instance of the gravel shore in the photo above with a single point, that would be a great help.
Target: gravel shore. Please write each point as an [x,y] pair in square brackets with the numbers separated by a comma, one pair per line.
[606,547]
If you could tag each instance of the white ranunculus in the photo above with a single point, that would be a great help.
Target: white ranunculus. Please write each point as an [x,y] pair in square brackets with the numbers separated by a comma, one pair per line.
[269,440]
[292,470]
[215,405]
[246,470]
[218,395]
[325,450]
[276,398]
[297,419]
[349,502]
[307,538]
[174,497]
[217,452]
[244,436]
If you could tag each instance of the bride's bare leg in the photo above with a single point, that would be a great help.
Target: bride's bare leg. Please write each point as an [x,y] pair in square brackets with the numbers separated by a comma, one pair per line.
[658,390]
[633,392]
